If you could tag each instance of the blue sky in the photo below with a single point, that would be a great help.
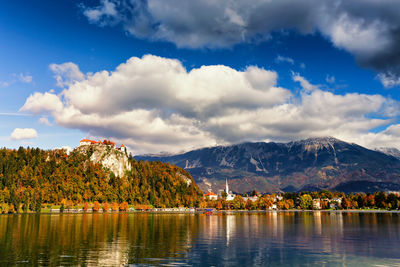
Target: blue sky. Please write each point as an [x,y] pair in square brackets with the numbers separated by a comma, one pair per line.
[318,77]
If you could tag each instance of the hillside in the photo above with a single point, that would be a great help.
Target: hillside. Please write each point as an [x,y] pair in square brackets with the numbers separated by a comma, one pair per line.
[33,176]
[311,164]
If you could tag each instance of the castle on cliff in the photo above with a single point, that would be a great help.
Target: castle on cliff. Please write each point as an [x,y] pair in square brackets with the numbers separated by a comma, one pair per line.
[105,142]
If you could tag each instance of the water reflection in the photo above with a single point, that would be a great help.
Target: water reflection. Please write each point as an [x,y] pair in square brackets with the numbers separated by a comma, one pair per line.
[298,238]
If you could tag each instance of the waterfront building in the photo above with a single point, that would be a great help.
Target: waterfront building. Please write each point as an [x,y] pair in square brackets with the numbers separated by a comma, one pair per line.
[252,199]
[211,196]
[316,204]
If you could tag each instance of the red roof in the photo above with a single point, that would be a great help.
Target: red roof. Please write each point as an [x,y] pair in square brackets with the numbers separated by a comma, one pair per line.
[89,141]
[211,194]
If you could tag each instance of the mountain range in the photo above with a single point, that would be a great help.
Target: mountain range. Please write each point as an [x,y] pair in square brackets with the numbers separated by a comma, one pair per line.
[311,164]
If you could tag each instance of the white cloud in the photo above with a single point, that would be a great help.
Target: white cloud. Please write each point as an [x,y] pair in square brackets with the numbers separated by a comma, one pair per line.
[43,102]
[105,11]
[367,29]
[306,85]
[282,59]
[66,73]
[25,78]
[330,78]
[45,121]
[389,79]
[25,133]
[154,104]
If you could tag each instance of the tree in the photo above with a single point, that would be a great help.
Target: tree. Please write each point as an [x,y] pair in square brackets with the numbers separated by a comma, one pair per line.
[224,195]
[249,204]
[393,201]
[124,206]
[238,203]
[96,206]
[306,202]
[106,207]
[369,201]
[219,205]
[254,193]
[115,206]
[380,199]
[346,203]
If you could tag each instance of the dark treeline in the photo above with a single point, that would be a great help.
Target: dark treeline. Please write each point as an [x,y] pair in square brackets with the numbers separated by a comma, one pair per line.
[31,177]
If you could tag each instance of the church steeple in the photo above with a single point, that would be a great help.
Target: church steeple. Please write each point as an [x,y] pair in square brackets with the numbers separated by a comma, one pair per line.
[226,186]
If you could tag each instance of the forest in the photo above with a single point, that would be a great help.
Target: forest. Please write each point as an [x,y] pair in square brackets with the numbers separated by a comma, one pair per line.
[31,178]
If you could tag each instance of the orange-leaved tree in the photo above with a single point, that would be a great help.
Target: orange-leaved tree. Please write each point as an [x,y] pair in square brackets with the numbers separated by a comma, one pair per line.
[106,207]
[96,206]
[115,206]
[124,206]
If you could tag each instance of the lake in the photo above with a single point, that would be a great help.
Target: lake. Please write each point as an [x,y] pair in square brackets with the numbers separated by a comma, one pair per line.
[240,239]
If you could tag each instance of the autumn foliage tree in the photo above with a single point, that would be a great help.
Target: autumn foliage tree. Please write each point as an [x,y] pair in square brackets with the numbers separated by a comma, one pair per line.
[96,206]
[124,206]
[115,206]
[106,207]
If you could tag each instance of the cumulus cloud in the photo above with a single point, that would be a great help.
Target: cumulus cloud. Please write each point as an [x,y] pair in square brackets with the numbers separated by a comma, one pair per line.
[154,104]
[367,29]
[23,133]
[66,73]
[43,102]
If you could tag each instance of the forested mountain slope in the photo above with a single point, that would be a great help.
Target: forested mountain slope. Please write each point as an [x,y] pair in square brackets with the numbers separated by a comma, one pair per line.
[33,175]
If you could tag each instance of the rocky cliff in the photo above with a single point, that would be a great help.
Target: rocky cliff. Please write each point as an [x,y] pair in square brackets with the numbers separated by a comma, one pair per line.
[114,159]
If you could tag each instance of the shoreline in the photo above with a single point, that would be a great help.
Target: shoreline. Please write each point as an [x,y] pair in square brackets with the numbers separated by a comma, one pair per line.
[202,212]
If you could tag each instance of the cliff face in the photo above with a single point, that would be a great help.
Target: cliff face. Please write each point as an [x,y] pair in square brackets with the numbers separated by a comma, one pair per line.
[113,159]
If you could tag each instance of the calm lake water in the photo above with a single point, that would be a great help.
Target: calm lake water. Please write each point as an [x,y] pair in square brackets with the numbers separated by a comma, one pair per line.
[274,238]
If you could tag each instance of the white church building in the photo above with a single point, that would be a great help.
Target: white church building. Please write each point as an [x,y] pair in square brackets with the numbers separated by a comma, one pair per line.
[229,194]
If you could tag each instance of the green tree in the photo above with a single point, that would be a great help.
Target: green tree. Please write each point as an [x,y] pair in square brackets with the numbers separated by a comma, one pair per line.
[305,202]
[238,203]
[393,201]
[224,195]
[380,198]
